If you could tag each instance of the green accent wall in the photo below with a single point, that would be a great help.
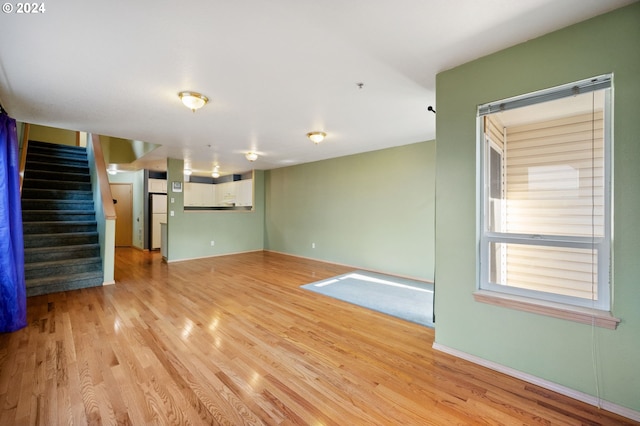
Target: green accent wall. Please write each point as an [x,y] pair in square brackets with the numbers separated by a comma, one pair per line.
[124,151]
[556,350]
[373,210]
[52,135]
[190,233]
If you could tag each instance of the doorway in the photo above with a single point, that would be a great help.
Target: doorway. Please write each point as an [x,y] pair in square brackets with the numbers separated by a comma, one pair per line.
[122,194]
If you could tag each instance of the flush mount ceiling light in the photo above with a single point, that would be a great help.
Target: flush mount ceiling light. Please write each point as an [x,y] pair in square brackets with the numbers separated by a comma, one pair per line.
[193,100]
[316,137]
[251,156]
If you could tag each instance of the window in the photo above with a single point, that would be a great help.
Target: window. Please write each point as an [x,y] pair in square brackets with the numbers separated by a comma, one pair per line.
[544,183]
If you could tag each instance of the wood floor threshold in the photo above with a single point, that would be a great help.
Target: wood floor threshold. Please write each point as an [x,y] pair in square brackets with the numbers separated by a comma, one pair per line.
[234,340]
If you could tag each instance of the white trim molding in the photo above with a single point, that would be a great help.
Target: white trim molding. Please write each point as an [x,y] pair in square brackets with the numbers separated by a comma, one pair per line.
[208,256]
[563,390]
[363,268]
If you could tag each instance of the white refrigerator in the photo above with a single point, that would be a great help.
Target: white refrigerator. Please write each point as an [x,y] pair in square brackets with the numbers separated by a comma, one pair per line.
[158,215]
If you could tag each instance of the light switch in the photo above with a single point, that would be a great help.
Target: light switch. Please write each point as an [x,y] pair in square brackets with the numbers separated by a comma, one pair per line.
[172,213]
[173,200]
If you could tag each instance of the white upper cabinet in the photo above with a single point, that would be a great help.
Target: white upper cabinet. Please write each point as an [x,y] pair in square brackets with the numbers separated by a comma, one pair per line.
[189,195]
[244,192]
[228,194]
[158,186]
[199,194]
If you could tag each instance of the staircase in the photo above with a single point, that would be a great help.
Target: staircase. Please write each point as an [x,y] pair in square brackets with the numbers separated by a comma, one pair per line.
[60,232]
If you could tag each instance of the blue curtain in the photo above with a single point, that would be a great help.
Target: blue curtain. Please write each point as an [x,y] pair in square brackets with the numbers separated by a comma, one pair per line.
[13,299]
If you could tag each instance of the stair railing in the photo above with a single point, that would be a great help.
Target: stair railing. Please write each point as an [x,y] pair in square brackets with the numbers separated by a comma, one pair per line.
[105,210]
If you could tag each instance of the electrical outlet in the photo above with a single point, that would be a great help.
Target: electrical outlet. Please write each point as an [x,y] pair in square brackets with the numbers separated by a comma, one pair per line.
[172,213]
[213,243]
[313,245]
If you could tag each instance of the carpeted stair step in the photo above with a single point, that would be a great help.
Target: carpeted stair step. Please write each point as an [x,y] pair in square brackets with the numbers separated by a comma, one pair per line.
[51,240]
[59,221]
[30,182]
[58,227]
[53,166]
[62,267]
[46,254]
[52,284]
[70,159]
[55,194]
[57,175]
[57,215]
[53,204]
[53,149]
[34,159]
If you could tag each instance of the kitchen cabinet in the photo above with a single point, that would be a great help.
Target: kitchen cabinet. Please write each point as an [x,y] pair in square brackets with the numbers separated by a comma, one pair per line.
[199,194]
[157,186]
[226,194]
[244,192]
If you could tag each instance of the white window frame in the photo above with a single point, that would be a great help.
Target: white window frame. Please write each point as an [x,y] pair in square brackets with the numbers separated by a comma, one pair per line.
[602,245]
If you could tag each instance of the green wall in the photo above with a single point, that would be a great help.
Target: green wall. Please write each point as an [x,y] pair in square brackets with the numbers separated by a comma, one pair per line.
[190,233]
[556,350]
[373,210]
[52,135]
[124,151]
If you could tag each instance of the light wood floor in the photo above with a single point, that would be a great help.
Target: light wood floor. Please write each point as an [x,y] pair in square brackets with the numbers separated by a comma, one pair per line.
[234,340]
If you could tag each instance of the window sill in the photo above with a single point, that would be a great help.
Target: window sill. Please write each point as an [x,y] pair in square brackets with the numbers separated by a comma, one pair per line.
[556,310]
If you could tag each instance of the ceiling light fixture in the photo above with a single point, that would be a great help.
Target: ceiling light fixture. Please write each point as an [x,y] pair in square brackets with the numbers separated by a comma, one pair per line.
[251,156]
[193,100]
[187,172]
[215,174]
[316,137]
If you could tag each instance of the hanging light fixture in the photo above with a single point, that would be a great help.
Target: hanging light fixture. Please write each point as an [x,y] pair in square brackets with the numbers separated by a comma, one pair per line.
[187,172]
[251,156]
[216,172]
[193,100]
[316,137]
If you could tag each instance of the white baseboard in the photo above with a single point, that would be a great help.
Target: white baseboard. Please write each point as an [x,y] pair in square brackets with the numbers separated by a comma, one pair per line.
[209,256]
[408,277]
[563,390]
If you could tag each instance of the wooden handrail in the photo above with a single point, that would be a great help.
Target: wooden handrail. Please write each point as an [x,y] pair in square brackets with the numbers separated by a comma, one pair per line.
[103,179]
[23,157]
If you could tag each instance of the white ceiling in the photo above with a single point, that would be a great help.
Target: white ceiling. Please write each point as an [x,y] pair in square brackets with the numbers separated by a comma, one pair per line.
[274,70]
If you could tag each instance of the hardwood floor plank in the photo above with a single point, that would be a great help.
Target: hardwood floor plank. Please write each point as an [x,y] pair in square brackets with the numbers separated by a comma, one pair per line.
[234,340]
